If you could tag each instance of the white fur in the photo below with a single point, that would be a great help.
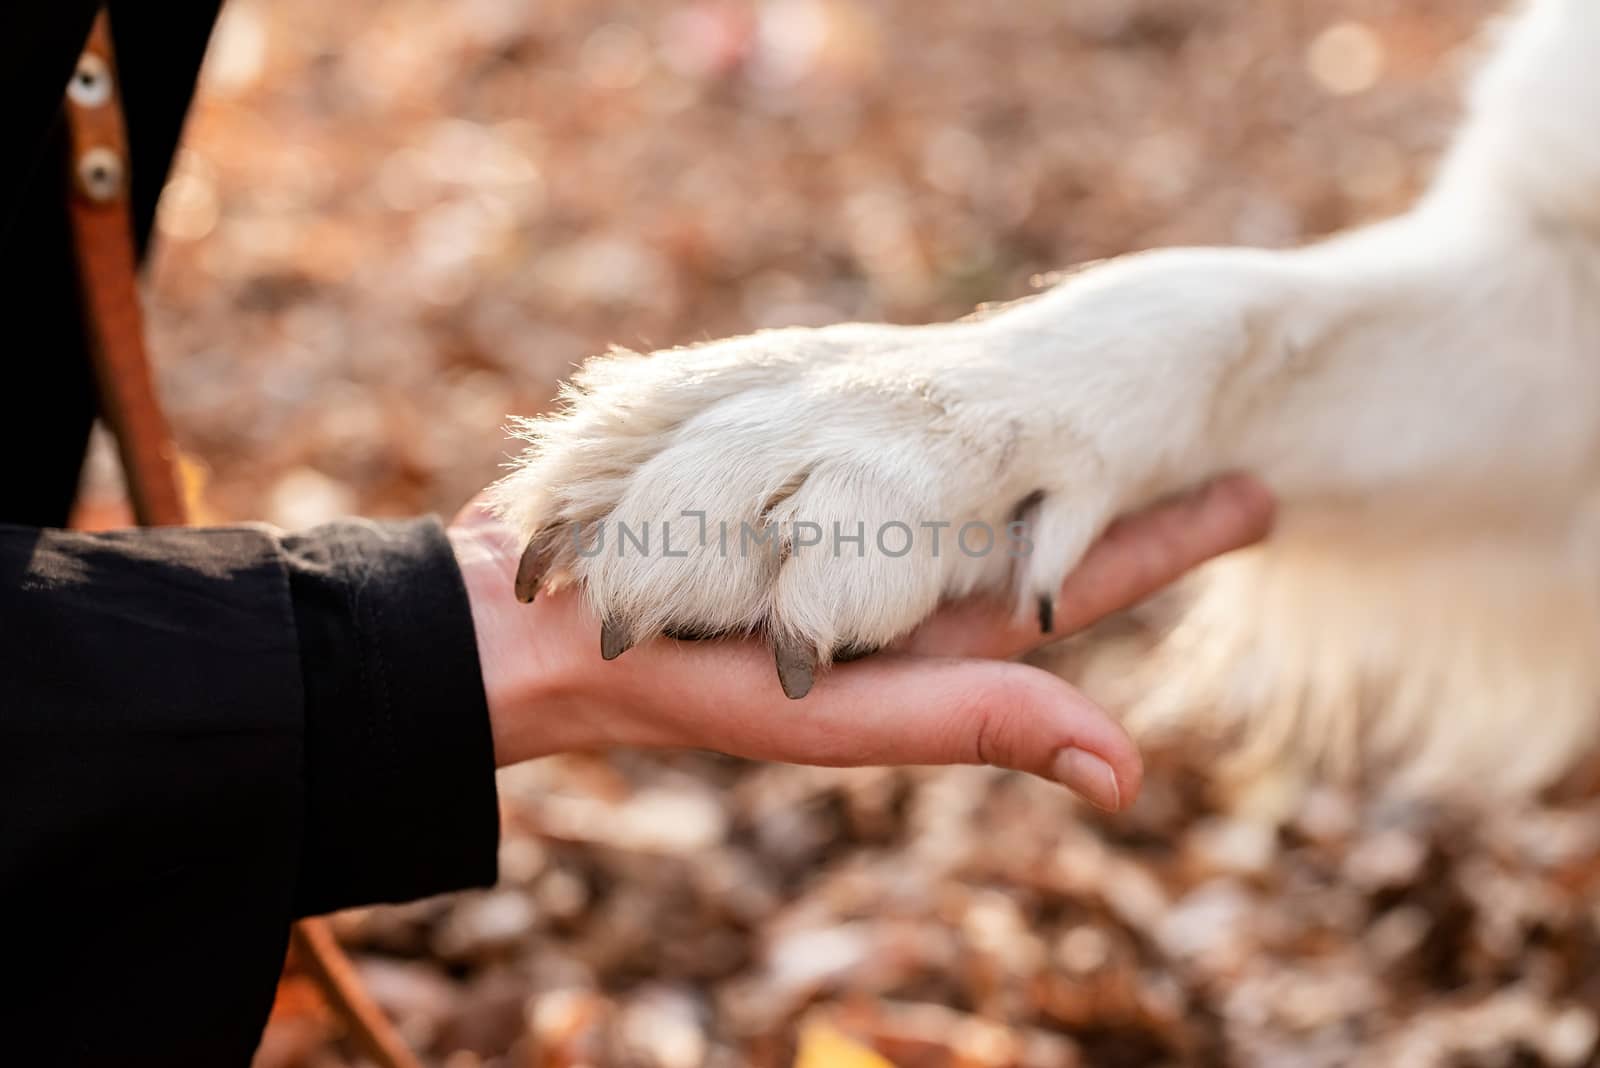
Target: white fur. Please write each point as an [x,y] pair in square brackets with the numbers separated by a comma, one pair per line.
[1423,395]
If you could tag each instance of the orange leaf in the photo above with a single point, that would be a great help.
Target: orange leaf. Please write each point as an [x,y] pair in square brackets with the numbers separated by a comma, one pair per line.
[823,1047]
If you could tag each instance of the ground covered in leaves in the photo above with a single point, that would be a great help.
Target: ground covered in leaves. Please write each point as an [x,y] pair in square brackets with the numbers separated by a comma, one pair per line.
[397,222]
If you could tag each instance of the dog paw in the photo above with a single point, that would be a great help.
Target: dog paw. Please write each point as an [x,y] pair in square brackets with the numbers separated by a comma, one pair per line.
[824,488]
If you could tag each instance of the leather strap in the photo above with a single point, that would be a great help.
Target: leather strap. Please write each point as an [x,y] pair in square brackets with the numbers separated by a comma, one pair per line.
[102,231]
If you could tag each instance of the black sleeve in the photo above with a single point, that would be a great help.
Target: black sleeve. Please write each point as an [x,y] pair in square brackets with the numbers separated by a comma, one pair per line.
[205,733]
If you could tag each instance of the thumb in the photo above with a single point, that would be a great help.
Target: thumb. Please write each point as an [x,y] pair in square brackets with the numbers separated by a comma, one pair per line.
[901,709]
[988,712]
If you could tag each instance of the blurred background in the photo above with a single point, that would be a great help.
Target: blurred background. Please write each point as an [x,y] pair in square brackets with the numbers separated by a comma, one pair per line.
[397,222]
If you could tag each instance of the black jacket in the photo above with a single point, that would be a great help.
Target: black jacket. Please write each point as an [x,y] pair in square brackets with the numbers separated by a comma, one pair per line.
[203,733]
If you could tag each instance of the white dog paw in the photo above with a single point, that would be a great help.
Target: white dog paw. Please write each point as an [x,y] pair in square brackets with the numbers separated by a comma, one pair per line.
[824,488]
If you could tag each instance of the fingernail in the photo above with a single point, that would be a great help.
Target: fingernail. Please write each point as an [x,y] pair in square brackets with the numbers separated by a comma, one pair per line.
[1089,777]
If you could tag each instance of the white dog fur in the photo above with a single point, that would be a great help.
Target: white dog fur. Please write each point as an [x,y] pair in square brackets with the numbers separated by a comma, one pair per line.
[1422,395]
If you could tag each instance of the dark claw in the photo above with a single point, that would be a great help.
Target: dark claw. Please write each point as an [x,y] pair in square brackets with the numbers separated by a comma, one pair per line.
[531,570]
[797,668]
[1047,614]
[613,641]
[853,651]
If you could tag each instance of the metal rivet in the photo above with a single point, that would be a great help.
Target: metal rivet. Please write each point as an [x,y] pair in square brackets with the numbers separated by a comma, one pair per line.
[90,86]
[100,174]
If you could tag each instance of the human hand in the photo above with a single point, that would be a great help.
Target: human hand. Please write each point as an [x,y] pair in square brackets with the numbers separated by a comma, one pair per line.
[942,696]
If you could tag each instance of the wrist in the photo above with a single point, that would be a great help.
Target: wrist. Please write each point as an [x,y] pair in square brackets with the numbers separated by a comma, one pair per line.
[524,656]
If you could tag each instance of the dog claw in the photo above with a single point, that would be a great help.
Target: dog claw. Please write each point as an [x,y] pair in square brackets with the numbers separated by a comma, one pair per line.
[1047,614]
[613,641]
[530,571]
[797,668]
